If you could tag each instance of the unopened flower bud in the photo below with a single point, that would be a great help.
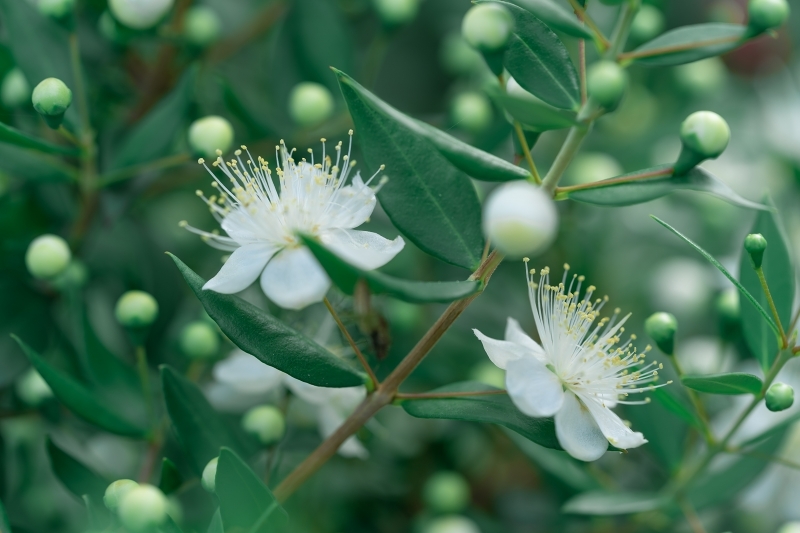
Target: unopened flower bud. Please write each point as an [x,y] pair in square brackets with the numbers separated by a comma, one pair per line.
[704,135]
[471,111]
[209,479]
[520,219]
[209,134]
[310,104]
[142,508]
[116,491]
[606,82]
[395,13]
[139,14]
[446,492]
[452,524]
[51,99]
[755,244]
[32,388]
[767,14]
[199,340]
[661,327]
[647,24]
[136,309]
[487,27]
[201,26]
[15,90]
[57,9]
[780,397]
[266,423]
[47,256]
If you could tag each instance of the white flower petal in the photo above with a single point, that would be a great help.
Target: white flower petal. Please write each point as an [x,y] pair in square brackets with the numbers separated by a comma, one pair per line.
[364,249]
[515,333]
[241,269]
[501,352]
[533,388]
[612,426]
[352,205]
[294,279]
[578,432]
[247,374]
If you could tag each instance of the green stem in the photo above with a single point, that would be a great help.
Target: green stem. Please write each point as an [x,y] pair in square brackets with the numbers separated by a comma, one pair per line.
[523,142]
[621,31]
[771,302]
[568,151]
[144,380]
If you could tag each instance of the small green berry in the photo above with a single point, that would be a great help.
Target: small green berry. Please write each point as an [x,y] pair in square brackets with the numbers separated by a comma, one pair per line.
[201,26]
[647,24]
[51,99]
[661,327]
[395,13]
[706,133]
[755,244]
[266,423]
[15,90]
[136,309]
[209,478]
[116,491]
[767,14]
[310,104]
[209,134]
[199,340]
[142,507]
[47,256]
[780,397]
[606,82]
[520,219]
[446,492]
[472,111]
[57,9]
[139,14]
[487,27]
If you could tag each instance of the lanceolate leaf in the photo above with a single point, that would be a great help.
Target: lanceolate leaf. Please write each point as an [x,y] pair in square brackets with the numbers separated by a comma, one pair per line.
[555,16]
[677,406]
[346,276]
[778,271]
[32,166]
[269,339]
[599,503]
[532,113]
[433,203]
[629,190]
[13,136]
[80,400]
[688,44]
[731,384]
[78,478]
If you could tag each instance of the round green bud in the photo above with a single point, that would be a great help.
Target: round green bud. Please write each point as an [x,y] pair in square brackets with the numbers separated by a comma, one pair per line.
[199,340]
[728,305]
[661,327]
[471,111]
[520,219]
[780,397]
[396,12]
[51,98]
[57,9]
[310,104]
[136,309]
[139,14]
[15,90]
[446,492]
[767,14]
[647,24]
[209,479]
[452,524]
[116,491]
[32,388]
[209,134]
[755,244]
[606,82]
[705,133]
[265,422]
[142,508]
[487,372]
[457,56]
[487,27]
[201,26]
[47,256]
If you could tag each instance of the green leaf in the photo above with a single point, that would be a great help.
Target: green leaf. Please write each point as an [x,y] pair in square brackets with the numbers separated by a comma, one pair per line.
[677,406]
[531,112]
[346,277]
[154,135]
[778,271]
[215,526]
[31,166]
[321,39]
[731,384]
[555,16]
[629,189]
[5,527]
[433,203]
[744,292]
[494,409]
[245,503]
[170,479]
[23,140]
[539,61]
[600,503]
[169,526]
[78,478]
[80,400]
[269,339]
[477,163]
[200,429]
[688,44]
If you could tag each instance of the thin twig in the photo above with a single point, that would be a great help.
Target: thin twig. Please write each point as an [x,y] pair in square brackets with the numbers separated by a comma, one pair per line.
[586,19]
[614,181]
[350,340]
[675,48]
[523,142]
[441,395]
[775,315]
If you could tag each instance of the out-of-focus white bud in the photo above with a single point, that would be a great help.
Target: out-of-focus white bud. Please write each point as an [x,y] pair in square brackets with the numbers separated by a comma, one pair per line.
[209,134]
[520,219]
[139,14]
[47,256]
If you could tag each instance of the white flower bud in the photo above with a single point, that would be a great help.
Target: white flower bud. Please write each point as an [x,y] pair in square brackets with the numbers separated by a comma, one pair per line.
[201,26]
[396,12]
[199,340]
[116,491]
[487,27]
[606,82]
[471,111]
[767,14]
[310,103]
[32,388]
[139,14]
[136,309]
[520,219]
[15,90]
[265,422]
[209,479]
[452,524]
[446,492]
[209,134]
[56,9]
[47,256]
[647,24]
[706,133]
[142,507]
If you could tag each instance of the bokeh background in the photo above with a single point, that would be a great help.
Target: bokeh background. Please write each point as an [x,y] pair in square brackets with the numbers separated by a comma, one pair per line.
[246,73]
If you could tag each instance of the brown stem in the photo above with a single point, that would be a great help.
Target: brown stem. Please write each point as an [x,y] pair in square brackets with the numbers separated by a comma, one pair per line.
[614,181]
[586,19]
[675,48]
[523,142]
[438,395]
[775,315]
[343,329]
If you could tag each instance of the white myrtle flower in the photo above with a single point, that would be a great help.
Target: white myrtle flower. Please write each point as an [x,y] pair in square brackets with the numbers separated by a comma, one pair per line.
[579,372]
[263,224]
